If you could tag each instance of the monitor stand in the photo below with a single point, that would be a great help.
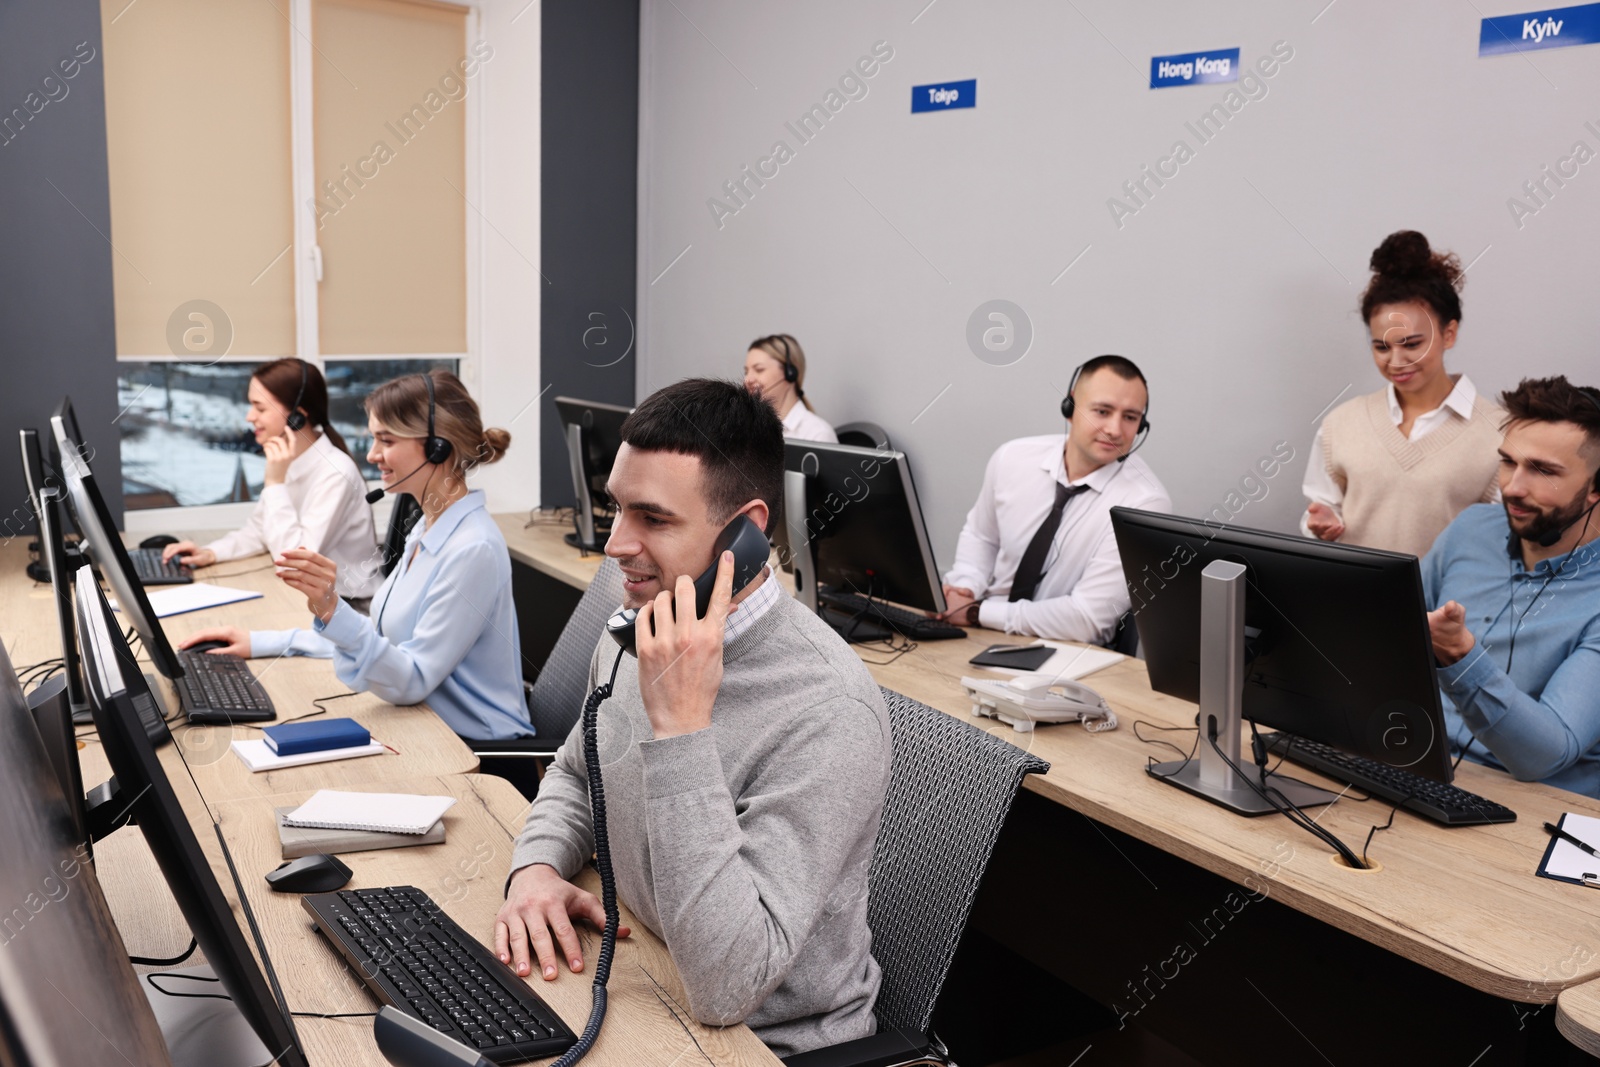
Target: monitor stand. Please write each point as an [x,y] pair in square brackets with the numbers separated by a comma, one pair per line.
[597,541]
[1209,775]
[201,1032]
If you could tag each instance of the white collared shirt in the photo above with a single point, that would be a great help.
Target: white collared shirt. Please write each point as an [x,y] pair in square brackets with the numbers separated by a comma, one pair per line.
[1083,592]
[1319,486]
[803,424]
[748,611]
[321,505]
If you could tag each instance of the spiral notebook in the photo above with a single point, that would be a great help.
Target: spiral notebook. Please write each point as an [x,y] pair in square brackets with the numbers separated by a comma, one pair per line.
[395,813]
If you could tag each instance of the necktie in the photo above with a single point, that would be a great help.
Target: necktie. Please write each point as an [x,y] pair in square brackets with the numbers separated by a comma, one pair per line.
[1031,569]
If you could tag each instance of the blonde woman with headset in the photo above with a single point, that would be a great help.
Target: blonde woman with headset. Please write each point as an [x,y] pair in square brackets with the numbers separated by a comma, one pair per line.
[775,370]
[443,628]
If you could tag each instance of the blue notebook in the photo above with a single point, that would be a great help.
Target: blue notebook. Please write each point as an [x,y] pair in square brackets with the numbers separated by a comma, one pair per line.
[294,738]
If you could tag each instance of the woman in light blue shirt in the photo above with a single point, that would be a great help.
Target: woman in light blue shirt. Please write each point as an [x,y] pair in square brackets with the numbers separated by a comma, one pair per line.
[442,629]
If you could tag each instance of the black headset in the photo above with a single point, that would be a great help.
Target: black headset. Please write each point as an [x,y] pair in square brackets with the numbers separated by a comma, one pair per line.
[435,449]
[297,418]
[1069,405]
[790,374]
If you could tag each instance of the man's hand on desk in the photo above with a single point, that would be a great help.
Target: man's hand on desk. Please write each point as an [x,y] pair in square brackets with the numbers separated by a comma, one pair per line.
[314,575]
[238,641]
[538,902]
[193,555]
[1451,638]
[958,605]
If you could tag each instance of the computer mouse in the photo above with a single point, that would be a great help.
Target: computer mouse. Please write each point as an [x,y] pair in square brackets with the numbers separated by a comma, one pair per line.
[158,541]
[316,873]
[206,646]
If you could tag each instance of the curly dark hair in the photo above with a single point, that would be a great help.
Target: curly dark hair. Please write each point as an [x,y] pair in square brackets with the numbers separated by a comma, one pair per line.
[1404,269]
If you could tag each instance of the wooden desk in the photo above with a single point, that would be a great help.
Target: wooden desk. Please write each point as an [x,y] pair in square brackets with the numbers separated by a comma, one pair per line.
[541,547]
[1578,1008]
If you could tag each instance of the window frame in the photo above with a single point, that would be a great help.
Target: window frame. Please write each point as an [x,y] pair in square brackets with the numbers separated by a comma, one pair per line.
[306,260]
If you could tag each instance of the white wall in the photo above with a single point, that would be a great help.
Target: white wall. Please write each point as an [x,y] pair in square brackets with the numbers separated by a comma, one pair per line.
[507,386]
[1235,288]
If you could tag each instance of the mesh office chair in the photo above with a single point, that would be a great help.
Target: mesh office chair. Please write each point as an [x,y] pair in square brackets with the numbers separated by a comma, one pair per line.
[864,434]
[950,788]
[556,702]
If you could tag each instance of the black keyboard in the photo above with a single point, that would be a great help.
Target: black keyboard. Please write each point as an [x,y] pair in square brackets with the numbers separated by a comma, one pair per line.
[1442,803]
[151,571]
[875,613]
[414,957]
[221,689]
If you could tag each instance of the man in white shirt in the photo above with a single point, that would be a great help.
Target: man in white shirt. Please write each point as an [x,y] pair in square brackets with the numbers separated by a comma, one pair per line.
[1037,555]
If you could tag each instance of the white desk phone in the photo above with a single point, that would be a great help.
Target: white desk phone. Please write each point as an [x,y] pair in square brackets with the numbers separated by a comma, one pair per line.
[1039,697]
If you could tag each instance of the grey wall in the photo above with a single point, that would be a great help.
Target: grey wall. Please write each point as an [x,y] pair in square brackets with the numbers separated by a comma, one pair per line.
[56,330]
[589,115]
[1235,286]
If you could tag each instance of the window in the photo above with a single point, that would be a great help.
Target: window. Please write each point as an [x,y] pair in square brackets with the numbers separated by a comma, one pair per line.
[253,217]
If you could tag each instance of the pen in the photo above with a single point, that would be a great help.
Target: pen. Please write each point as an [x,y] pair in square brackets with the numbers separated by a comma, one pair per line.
[1556,831]
[997,649]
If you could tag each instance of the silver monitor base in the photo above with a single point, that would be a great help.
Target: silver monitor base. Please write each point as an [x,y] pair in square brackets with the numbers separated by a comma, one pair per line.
[202,1032]
[1236,794]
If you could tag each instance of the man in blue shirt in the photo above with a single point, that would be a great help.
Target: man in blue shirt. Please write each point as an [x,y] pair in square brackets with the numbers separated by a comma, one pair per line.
[1516,629]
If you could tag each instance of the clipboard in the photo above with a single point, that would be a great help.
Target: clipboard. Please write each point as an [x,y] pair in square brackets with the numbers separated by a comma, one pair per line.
[1564,862]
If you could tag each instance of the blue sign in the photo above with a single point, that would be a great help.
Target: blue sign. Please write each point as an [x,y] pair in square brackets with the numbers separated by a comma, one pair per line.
[1559,27]
[1194,68]
[944,96]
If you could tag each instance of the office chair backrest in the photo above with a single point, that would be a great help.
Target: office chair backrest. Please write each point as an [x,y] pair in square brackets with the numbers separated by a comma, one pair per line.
[863,434]
[404,516]
[556,702]
[950,787]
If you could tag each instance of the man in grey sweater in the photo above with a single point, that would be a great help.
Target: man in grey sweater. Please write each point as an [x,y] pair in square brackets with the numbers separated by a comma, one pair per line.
[745,755]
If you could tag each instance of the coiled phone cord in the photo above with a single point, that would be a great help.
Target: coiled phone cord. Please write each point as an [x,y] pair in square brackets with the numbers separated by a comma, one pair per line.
[602,862]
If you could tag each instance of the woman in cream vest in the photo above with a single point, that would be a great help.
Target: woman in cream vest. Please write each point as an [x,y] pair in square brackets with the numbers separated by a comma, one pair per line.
[1391,469]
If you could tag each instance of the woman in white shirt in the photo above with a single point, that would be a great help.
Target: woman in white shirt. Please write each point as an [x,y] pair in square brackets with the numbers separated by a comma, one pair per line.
[1393,468]
[313,497]
[775,370]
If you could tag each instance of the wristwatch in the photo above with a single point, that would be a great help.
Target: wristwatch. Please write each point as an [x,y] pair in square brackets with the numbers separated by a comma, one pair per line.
[972,612]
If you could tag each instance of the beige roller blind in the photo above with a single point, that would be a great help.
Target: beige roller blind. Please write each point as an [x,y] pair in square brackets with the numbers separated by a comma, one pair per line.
[197,138]
[389,88]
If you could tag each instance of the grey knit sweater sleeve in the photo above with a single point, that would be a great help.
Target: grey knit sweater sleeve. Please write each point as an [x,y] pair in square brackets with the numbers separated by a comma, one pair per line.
[745,845]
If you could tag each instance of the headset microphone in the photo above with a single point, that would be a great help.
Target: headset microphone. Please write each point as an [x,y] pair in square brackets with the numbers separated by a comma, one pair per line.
[377,494]
[1550,537]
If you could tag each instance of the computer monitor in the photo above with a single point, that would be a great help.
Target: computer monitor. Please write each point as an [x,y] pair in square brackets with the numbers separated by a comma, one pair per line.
[62,958]
[147,797]
[1335,637]
[593,432]
[53,550]
[34,472]
[852,524]
[105,546]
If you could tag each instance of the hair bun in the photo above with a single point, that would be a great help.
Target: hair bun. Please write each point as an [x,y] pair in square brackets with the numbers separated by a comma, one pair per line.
[495,443]
[1403,252]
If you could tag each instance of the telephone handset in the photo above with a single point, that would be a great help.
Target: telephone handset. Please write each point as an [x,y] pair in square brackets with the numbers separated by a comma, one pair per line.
[750,551]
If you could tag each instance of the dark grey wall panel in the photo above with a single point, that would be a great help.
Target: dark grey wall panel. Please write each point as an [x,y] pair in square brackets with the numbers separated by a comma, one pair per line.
[589,181]
[56,327]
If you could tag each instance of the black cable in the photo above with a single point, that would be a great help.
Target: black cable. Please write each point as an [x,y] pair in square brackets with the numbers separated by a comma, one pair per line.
[173,961]
[1187,756]
[153,975]
[602,862]
[223,996]
[1378,829]
[1284,806]
[316,703]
